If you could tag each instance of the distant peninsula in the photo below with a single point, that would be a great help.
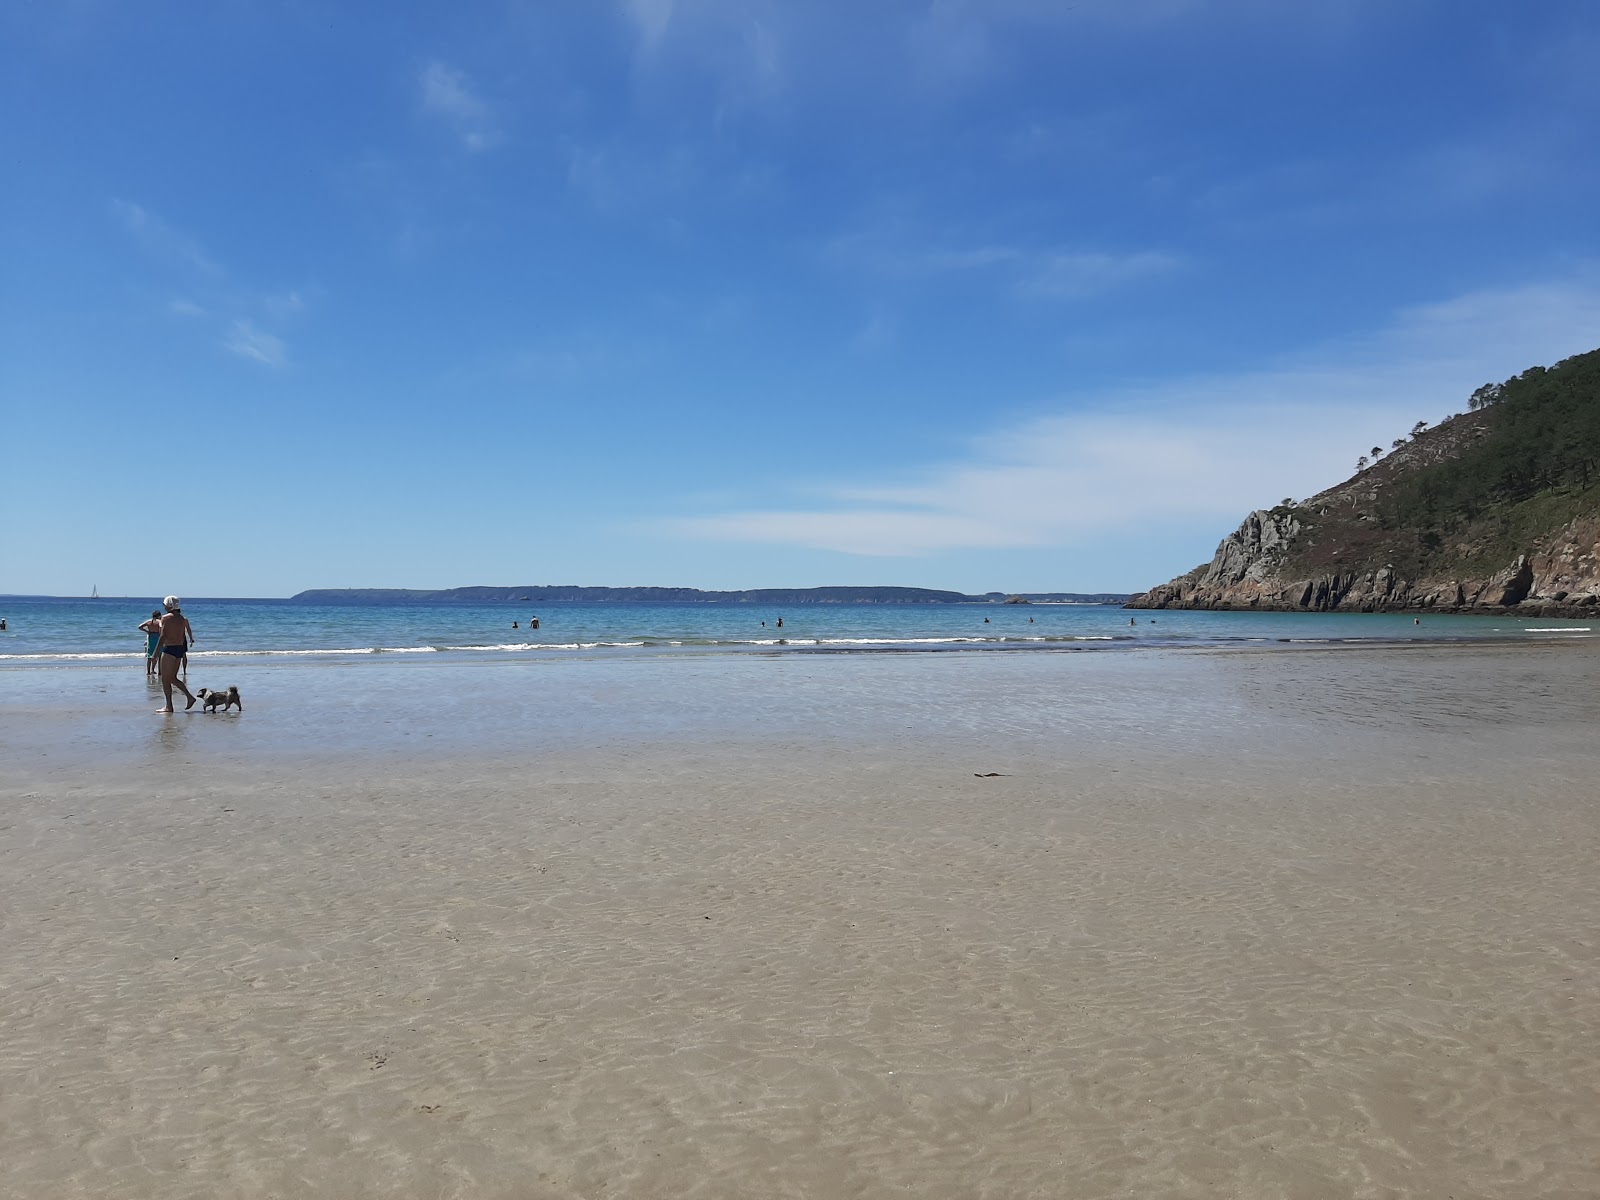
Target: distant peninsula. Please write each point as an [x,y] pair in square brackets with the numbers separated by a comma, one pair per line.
[546,594]
[1495,510]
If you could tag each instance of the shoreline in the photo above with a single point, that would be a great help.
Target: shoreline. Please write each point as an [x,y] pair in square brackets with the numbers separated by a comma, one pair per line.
[666,648]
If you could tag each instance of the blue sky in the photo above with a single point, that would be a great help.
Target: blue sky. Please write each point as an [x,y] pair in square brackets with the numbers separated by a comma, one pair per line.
[1012,295]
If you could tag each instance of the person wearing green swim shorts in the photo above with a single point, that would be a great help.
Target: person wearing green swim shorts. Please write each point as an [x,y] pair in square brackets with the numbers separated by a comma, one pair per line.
[152,641]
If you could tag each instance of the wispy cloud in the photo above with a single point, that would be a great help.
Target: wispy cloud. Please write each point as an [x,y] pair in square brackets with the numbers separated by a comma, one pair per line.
[1213,447]
[448,94]
[228,307]
[172,247]
[1078,275]
[1045,273]
[621,177]
[284,304]
[245,340]
[650,19]
[737,51]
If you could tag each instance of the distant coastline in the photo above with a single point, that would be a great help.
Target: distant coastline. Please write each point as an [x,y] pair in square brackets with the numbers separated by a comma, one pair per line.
[670,595]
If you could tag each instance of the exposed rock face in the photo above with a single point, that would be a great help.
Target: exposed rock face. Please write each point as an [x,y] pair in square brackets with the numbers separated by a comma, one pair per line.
[1248,571]
[1568,570]
[1510,586]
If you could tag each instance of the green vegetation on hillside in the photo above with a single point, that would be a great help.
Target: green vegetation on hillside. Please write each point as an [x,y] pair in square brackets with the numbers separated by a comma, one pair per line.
[1544,436]
[1524,463]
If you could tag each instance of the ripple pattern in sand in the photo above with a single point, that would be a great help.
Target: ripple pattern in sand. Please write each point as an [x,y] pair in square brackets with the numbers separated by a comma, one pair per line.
[750,972]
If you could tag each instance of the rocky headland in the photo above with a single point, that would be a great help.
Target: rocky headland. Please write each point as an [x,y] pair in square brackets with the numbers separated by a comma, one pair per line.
[1494,510]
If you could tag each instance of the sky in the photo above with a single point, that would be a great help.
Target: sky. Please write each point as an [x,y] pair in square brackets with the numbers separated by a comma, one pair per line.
[1010,296]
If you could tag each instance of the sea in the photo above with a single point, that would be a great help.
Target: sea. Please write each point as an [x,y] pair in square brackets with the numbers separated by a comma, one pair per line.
[60,632]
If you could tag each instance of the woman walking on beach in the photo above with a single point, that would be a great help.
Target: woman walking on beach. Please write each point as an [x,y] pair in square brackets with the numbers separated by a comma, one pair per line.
[176,635]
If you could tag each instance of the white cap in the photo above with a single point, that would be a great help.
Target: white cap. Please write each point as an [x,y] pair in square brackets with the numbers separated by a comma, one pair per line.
[172,602]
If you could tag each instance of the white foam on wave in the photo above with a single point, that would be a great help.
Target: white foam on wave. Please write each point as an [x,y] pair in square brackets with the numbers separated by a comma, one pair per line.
[943,641]
[533,647]
[511,647]
[267,653]
[1557,629]
[496,648]
[72,656]
[924,641]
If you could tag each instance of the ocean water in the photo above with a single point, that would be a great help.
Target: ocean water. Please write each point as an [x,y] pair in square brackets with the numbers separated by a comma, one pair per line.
[60,632]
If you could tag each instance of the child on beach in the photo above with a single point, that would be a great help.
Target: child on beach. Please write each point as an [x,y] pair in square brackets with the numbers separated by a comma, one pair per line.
[152,641]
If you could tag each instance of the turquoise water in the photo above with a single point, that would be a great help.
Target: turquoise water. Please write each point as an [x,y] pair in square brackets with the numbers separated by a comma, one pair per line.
[59,632]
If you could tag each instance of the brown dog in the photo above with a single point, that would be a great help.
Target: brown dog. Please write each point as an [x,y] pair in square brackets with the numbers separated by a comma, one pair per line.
[225,699]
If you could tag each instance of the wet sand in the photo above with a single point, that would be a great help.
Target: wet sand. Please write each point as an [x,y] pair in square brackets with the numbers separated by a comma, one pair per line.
[1286,924]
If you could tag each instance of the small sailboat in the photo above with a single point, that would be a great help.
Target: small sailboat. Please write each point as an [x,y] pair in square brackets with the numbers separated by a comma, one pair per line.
[94,592]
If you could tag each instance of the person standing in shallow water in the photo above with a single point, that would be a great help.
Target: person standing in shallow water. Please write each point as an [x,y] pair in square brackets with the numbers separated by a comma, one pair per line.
[176,636]
[152,642]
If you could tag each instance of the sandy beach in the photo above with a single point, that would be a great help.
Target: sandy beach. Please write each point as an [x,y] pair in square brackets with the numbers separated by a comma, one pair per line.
[1276,924]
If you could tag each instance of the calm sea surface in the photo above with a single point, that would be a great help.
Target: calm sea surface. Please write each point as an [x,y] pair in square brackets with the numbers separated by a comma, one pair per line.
[57,632]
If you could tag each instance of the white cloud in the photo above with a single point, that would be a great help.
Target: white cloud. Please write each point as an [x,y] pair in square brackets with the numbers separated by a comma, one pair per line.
[1210,447]
[448,94]
[245,340]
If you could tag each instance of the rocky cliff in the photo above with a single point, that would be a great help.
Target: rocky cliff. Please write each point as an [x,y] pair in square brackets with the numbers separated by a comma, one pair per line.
[1494,510]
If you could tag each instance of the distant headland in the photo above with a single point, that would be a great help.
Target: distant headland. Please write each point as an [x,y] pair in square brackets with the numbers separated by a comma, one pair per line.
[1495,510]
[546,594]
